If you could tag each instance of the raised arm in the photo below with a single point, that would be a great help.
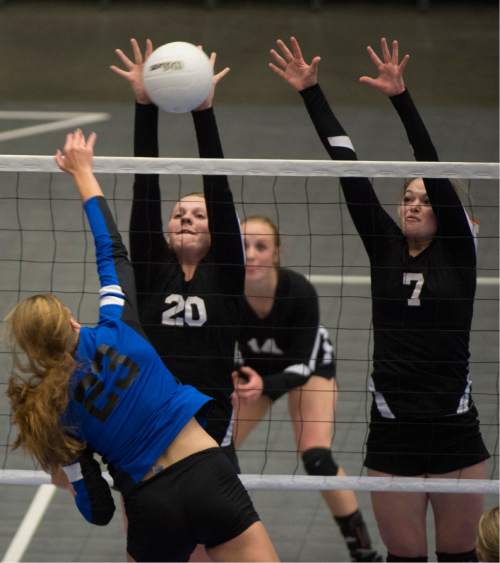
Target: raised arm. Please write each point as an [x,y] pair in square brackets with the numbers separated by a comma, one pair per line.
[452,218]
[117,287]
[226,243]
[148,247]
[368,215]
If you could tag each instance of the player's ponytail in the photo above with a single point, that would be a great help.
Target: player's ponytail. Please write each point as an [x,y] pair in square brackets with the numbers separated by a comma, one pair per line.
[42,342]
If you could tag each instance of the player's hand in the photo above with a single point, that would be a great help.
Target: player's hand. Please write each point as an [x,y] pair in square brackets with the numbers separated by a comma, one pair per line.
[390,71]
[217,77]
[248,384]
[76,157]
[135,69]
[291,66]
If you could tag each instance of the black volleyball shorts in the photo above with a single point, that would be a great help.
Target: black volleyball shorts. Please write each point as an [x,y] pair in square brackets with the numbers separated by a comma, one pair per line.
[198,500]
[427,446]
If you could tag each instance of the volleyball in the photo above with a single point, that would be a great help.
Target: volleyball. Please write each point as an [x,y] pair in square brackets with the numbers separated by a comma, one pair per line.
[178,77]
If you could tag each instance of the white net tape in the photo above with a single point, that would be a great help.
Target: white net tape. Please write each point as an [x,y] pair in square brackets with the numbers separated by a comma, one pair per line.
[310,483]
[268,167]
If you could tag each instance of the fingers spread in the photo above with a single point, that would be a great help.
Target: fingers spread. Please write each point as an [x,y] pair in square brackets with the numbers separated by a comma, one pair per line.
[119,71]
[385,50]
[125,60]
[314,64]
[297,53]
[404,62]
[285,50]
[149,48]
[136,51]
[367,80]
[276,70]
[395,52]
[374,57]
[221,74]
[278,59]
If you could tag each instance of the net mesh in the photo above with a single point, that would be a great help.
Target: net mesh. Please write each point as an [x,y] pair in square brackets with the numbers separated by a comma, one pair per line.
[45,246]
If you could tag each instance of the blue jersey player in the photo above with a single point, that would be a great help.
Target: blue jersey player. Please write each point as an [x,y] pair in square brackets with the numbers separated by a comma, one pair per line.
[104,389]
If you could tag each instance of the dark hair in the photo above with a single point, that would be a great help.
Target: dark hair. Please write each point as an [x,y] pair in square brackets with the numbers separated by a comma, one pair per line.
[457,186]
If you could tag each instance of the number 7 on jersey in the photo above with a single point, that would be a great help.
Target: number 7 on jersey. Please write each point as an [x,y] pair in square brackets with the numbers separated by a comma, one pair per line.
[408,279]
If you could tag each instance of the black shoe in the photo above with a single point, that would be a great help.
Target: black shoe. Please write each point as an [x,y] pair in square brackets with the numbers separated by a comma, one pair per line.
[363,554]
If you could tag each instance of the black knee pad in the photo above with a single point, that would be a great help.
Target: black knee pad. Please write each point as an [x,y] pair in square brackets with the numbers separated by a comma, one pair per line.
[319,461]
[392,557]
[464,556]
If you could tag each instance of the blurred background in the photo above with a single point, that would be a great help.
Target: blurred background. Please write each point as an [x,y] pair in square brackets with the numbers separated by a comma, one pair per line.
[55,57]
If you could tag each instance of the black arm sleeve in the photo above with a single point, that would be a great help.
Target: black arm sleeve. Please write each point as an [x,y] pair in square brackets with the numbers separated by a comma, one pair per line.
[93,495]
[148,247]
[226,245]
[367,214]
[452,219]
[113,265]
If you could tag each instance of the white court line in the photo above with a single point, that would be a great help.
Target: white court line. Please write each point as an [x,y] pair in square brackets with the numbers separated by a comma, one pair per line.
[58,120]
[318,279]
[30,523]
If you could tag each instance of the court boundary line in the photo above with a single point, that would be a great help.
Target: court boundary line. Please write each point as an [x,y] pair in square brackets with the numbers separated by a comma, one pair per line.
[57,120]
[29,525]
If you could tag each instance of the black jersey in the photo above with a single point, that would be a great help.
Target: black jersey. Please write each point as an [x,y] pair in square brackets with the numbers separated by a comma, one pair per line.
[422,306]
[192,324]
[287,345]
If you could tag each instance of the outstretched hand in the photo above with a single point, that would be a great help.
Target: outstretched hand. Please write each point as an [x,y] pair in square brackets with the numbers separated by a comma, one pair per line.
[76,157]
[390,71]
[208,103]
[292,67]
[135,69]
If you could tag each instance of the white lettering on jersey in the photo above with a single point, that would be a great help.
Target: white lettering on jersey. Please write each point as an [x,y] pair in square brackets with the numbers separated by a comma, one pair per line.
[191,311]
[326,346]
[269,347]
[408,278]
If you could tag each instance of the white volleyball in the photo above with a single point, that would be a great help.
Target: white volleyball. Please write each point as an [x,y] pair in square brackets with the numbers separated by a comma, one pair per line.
[178,77]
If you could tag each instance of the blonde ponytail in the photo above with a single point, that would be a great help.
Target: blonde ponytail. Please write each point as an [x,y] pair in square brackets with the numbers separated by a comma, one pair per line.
[40,329]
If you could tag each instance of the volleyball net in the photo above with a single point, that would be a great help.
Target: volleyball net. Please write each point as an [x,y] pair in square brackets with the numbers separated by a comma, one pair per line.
[46,246]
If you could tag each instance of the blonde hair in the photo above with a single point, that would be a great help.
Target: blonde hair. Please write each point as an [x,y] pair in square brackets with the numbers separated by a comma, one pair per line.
[487,536]
[40,327]
[200,195]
